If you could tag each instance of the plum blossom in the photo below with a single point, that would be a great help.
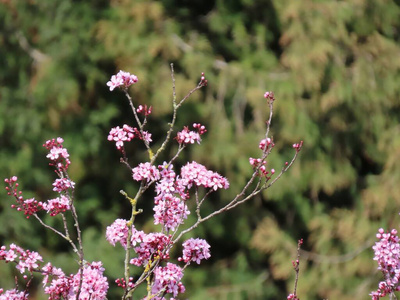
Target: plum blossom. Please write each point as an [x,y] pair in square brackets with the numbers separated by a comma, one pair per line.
[387,254]
[145,171]
[170,211]
[13,294]
[168,280]
[94,284]
[28,206]
[57,153]
[195,173]
[25,259]
[195,250]
[121,135]
[57,205]
[121,79]
[187,136]
[117,232]
[63,184]
[149,245]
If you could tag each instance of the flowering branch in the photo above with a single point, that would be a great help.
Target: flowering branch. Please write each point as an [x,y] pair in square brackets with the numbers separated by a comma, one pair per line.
[149,251]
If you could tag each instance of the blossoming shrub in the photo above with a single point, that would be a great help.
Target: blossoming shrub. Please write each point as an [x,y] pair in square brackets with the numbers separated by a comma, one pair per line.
[173,190]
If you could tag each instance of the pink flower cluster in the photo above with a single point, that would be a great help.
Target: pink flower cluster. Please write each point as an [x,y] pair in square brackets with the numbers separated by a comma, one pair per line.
[121,135]
[170,211]
[63,184]
[25,259]
[150,245]
[195,250]
[126,134]
[168,280]
[170,208]
[255,162]
[292,297]
[58,154]
[122,80]
[117,232]
[145,171]
[266,144]
[13,295]
[197,174]
[269,96]
[58,205]
[187,136]
[28,206]
[94,284]
[387,254]
[297,146]
[144,110]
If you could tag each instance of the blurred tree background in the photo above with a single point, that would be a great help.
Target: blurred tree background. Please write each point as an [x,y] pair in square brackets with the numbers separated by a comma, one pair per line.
[335,69]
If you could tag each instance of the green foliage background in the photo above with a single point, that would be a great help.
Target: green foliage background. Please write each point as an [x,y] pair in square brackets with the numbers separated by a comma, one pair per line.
[335,69]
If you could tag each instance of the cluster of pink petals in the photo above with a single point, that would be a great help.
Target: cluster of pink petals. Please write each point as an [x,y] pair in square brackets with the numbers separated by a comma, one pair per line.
[168,280]
[57,153]
[121,135]
[170,211]
[28,206]
[122,79]
[265,144]
[13,295]
[58,205]
[197,174]
[269,96]
[94,283]
[187,136]
[25,259]
[149,245]
[297,146]
[126,134]
[170,208]
[117,232]
[63,184]
[258,162]
[144,110]
[292,297]
[387,254]
[145,171]
[195,250]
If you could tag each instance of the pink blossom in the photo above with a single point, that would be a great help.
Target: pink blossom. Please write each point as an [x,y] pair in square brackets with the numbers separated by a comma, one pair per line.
[13,294]
[25,259]
[168,280]
[145,171]
[63,184]
[57,205]
[269,96]
[94,285]
[117,232]
[195,173]
[122,79]
[195,250]
[170,211]
[265,144]
[387,254]
[187,136]
[57,153]
[121,135]
[28,206]
[149,245]
[144,110]
[146,136]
